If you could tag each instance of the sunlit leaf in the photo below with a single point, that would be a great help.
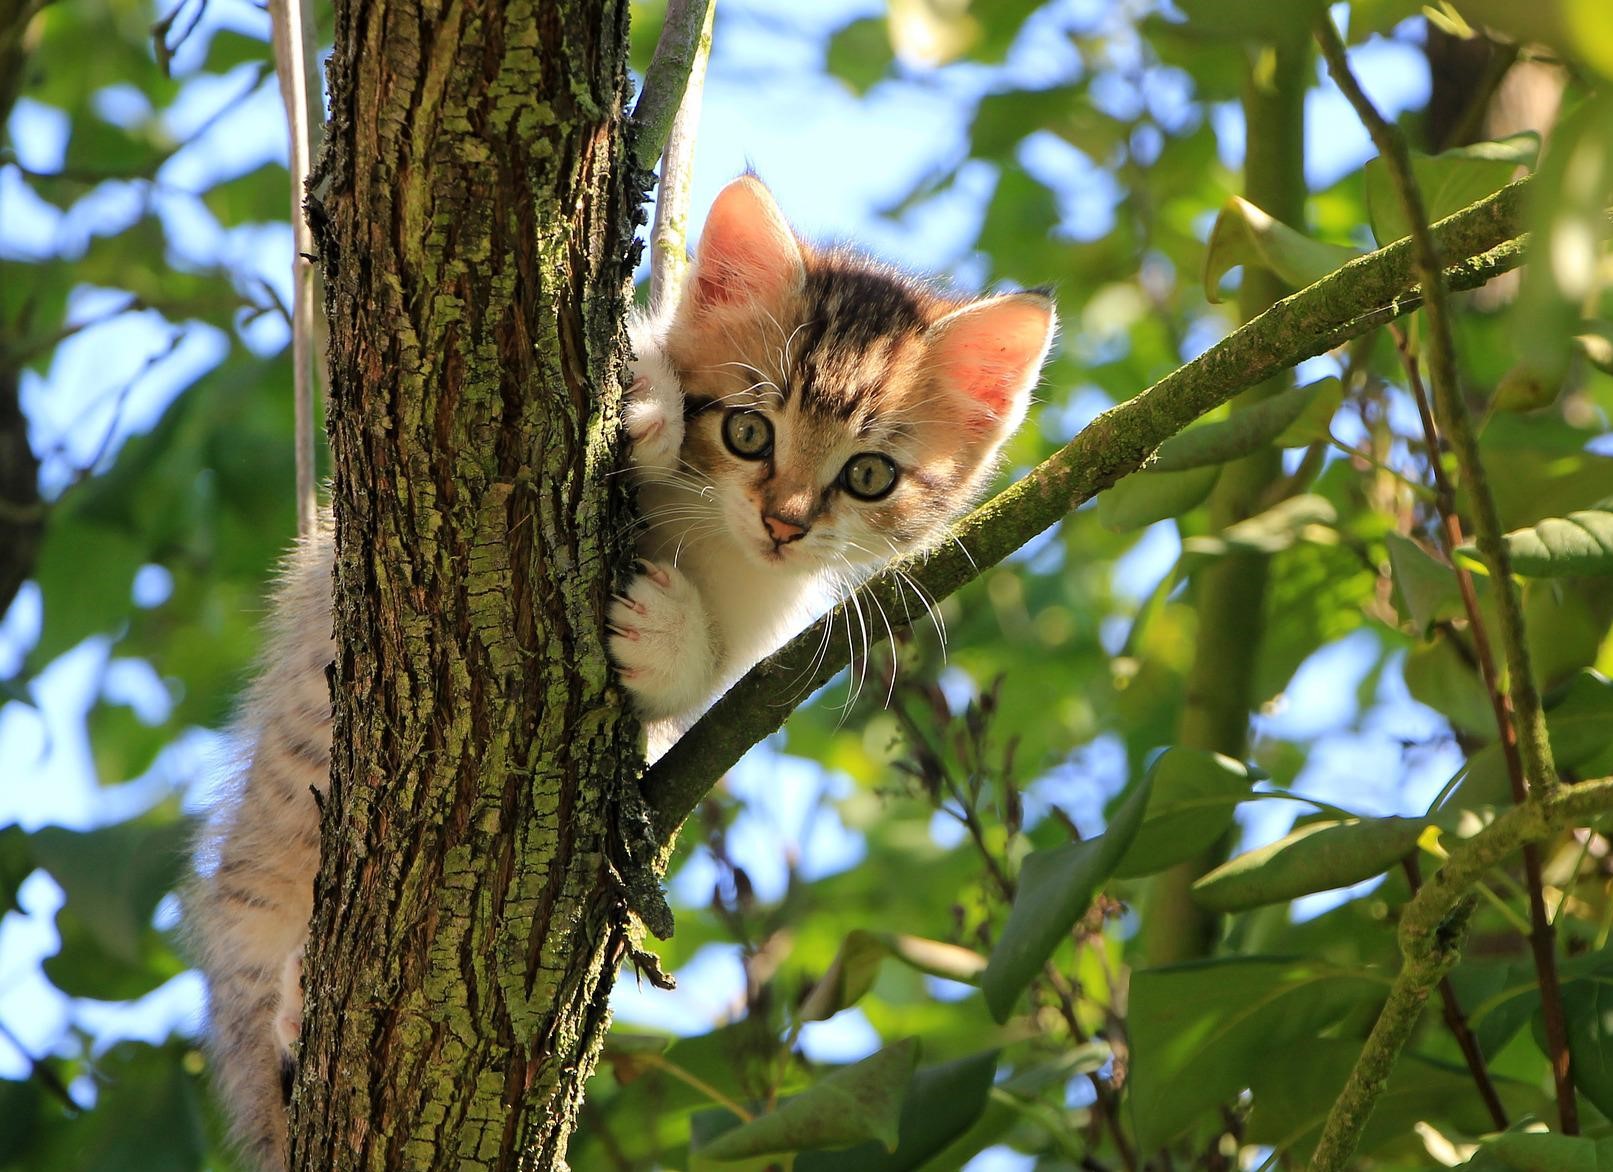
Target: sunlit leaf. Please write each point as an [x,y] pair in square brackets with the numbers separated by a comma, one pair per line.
[1246,235]
[1317,856]
[1145,497]
[1194,794]
[1449,181]
[1578,544]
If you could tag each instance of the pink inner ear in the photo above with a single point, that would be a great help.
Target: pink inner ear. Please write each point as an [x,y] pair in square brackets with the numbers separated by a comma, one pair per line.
[992,351]
[746,249]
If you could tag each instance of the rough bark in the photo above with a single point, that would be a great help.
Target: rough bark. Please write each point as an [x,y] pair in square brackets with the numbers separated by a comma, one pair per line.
[475,225]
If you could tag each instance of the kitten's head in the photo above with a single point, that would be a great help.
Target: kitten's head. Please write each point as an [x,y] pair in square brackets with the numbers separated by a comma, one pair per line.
[843,412]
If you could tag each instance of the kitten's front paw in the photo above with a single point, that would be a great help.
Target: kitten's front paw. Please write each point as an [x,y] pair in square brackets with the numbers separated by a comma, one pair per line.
[654,419]
[661,642]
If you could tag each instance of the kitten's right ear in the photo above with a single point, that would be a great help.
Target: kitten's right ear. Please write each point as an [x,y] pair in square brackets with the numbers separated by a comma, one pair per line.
[747,251]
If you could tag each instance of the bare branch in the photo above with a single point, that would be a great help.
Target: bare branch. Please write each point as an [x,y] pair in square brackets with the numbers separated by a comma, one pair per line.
[686,29]
[669,257]
[294,56]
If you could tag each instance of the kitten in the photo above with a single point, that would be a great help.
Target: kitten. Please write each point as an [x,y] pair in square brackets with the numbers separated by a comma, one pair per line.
[800,417]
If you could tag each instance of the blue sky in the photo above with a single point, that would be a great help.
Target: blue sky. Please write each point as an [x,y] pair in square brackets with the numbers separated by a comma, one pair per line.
[833,159]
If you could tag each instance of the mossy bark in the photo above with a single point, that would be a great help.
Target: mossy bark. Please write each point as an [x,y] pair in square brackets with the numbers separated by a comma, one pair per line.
[474,214]
[1229,593]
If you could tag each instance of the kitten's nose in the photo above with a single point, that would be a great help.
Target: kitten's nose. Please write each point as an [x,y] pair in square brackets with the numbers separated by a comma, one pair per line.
[782,531]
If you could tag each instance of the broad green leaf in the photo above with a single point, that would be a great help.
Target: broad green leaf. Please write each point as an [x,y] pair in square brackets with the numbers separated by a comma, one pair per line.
[16,864]
[19,1111]
[148,1116]
[1147,496]
[1266,21]
[860,53]
[943,1102]
[1426,588]
[1055,889]
[1195,793]
[1578,544]
[1588,1012]
[262,195]
[1578,718]
[1299,518]
[1248,430]
[1542,1151]
[1317,856]
[856,1103]
[115,876]
[1449,181]
[1200,1031]
[856,965]
[1246,235]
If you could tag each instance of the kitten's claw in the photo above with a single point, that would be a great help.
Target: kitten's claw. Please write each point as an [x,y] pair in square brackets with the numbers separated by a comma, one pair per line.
[661,642]
[655,574]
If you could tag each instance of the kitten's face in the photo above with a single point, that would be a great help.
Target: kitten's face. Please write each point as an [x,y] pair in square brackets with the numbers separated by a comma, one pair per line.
[840,414]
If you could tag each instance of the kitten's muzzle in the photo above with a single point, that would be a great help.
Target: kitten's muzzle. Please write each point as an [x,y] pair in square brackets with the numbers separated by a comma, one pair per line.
[783,530]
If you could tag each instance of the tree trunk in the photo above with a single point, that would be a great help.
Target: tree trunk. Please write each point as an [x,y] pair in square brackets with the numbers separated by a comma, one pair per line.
[475,230]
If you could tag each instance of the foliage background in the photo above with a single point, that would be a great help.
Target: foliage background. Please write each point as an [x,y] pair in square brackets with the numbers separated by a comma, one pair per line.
[1088,146]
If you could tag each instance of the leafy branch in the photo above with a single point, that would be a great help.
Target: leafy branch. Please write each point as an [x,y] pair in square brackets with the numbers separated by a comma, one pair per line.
[1520,717]
[1432,924]
[1362,295]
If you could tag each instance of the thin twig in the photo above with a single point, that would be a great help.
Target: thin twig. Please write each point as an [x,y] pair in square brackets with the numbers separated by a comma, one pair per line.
[669,238]
[44,1075]
[686,28]
[1536,769]
[1456,1022]
[294,57]
[1432,924]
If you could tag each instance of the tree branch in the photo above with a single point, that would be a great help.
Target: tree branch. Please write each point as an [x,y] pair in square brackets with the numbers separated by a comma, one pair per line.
[1362,295]
[669,239]
[685,38]
[292,32]
[1431,925]
[1528,718]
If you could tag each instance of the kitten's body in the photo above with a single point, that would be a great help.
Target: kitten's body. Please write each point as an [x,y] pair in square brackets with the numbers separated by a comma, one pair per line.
[882,406]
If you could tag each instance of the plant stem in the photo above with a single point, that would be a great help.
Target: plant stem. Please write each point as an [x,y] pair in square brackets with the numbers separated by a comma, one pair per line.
[1431,924]
[1364,294]
[292,30]
[686,29]
[669,238]
[1456,1022]
[1537,770]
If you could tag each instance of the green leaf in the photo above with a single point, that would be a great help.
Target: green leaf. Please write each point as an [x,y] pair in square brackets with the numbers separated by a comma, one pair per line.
[1577,719]
[1317,856]
[1195,793]
[856,1103]
[1299,518]
[1245,235]
[258,196]
[1578,545]
[1251,429]
[855,966]
[1055,889]
[16,864]
[115,876]
[1588,1013]
[148,1116]
[1264,21]
[1147,496]
[1449,181]
[1198,1031]
[1426,588]
[19,1113]
[860,53]
[1541,1151]
[943,1102]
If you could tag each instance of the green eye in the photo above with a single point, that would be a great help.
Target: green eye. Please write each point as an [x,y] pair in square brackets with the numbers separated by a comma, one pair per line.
[748,434]
[869,476]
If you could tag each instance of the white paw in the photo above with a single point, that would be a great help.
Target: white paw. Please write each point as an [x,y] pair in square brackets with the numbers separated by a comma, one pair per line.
[661,642]
[654,416]
[288,1015]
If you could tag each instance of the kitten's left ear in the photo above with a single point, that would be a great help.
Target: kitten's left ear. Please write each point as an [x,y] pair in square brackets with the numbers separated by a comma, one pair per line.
[990,353]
